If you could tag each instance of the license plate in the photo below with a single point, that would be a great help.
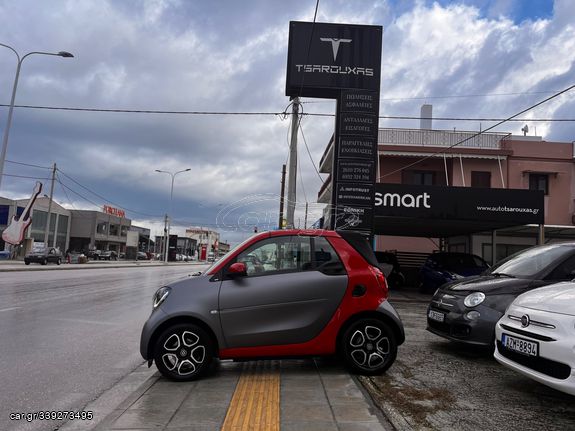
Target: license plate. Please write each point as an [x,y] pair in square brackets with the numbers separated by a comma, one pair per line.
[435,315]
[519,345]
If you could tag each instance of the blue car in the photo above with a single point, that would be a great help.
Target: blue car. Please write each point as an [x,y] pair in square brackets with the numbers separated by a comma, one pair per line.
[440,268]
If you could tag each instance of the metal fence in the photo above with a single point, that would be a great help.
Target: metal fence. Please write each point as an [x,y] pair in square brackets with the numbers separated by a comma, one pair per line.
[441,138]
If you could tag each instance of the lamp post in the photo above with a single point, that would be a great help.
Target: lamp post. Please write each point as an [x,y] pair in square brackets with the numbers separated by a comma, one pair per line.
[169,214]
[11,108]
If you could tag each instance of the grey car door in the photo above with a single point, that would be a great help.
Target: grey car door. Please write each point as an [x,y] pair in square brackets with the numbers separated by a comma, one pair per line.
[284,299]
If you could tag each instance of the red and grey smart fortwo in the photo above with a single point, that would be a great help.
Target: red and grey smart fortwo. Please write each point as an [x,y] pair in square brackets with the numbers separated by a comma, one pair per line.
[287,293]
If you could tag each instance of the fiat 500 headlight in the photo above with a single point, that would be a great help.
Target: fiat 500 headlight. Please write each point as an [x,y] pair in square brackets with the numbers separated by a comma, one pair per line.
[474,299]
[161,295]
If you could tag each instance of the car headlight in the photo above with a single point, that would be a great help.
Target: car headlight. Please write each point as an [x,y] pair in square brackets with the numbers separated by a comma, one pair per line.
[474,299]
[161,295]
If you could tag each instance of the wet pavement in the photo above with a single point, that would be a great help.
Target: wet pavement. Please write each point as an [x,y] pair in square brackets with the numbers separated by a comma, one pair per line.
[259,395]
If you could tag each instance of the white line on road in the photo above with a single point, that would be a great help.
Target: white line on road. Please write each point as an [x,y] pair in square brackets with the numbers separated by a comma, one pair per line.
[11,308]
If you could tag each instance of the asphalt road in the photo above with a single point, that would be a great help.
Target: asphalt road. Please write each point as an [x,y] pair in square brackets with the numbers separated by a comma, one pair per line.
[67,336]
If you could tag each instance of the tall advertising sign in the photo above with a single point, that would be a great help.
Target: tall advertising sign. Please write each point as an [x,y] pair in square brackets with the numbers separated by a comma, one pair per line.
[343,62]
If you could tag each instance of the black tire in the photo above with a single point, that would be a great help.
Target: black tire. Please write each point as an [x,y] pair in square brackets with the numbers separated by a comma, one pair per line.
[368,347]
[59,261]
[27,262]
[45,261]
[183,352]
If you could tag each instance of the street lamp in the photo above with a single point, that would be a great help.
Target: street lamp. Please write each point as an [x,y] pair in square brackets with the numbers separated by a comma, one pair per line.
[9,118]
[169,214]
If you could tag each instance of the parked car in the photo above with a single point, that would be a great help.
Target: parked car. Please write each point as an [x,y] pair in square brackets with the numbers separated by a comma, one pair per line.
[535,336]
[306,304]
[93,254]
[141,256]
[395,279]
[467,310]
[108,255]
[44,256]
[443,267]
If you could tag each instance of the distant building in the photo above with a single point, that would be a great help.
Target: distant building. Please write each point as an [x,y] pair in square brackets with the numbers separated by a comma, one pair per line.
[207,240]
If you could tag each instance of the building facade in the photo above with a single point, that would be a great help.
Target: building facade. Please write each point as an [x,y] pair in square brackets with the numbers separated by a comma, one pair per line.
[486,161]
[95,230]
[60,223]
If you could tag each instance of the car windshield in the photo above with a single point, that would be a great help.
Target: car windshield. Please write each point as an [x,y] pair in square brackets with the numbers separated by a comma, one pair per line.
[240,245]
[529,262]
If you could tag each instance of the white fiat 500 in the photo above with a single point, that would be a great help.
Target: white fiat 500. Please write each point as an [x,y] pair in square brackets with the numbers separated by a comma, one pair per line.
[536,336]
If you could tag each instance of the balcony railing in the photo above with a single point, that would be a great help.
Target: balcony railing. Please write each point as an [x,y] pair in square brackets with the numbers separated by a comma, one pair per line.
[441,138]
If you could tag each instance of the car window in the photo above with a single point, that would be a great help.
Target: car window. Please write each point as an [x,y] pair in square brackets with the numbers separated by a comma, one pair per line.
[532,261]
[326,259]
[279,254]
[564,270]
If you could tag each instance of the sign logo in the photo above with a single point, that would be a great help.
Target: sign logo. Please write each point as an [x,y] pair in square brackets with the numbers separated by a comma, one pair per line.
[406,200]
[334,44]
[525,321]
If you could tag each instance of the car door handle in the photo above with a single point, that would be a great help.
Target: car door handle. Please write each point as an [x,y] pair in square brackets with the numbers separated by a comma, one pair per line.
[358,290]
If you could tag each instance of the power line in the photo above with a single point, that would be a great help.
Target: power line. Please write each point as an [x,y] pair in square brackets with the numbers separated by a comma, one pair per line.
[64,190]
[309,153]
[25,176]
[107,200]
[78,194]
[282,114]
[477,134]
[452,96]
[28,164]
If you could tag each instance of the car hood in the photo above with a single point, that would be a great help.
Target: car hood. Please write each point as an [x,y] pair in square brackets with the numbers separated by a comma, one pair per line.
[557,298]
[489,284]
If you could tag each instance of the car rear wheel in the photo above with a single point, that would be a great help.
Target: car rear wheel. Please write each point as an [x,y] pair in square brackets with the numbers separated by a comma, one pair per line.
[183,352]
[45,261]
[27,262]
[369,347]
[59,261]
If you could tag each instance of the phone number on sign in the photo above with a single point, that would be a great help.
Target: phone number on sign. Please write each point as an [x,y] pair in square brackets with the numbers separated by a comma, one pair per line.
[48,415]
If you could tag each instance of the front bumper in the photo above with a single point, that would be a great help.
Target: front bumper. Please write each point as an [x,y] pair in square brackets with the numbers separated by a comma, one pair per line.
[456,326]
[554,366]
[154,321]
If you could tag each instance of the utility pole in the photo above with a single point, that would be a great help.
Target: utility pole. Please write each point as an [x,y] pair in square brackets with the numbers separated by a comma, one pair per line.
[165,238]
[47,230]
[305,219]
[291,194]
[282,196]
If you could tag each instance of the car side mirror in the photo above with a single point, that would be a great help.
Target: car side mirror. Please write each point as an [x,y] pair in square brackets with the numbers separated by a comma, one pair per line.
[238,269]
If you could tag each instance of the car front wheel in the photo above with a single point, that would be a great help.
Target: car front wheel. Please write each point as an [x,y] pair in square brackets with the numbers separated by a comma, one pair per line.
[183,352]
[45,261]
[369,347]
[59,261]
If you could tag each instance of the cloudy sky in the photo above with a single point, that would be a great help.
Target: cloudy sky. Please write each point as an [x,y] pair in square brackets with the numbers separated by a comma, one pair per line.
[472,59]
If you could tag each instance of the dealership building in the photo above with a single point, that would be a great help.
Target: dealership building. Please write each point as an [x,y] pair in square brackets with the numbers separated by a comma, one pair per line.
[464,191]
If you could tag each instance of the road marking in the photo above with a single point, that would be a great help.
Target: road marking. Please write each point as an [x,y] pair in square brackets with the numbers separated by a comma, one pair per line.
[11,308]
[255,405]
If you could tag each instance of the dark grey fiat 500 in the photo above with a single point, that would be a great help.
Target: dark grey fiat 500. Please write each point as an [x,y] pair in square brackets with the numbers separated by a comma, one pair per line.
[467,310]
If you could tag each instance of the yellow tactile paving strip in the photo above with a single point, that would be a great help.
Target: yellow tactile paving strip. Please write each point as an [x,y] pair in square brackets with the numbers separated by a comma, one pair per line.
[255,404]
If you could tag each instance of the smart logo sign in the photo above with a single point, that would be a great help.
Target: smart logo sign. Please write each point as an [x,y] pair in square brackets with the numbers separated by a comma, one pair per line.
[459,203]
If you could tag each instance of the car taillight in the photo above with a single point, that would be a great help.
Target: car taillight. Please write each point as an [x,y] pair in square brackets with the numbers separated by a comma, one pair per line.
[380,278]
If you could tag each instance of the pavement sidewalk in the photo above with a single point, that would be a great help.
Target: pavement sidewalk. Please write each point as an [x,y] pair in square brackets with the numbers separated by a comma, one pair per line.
[259,395]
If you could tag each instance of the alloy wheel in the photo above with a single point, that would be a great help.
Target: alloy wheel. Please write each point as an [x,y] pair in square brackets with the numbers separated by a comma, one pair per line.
[369,346]
[183,352]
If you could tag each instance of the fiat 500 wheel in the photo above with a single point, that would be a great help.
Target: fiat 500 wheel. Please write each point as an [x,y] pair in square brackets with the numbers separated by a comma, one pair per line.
[369,347]
[183,352]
